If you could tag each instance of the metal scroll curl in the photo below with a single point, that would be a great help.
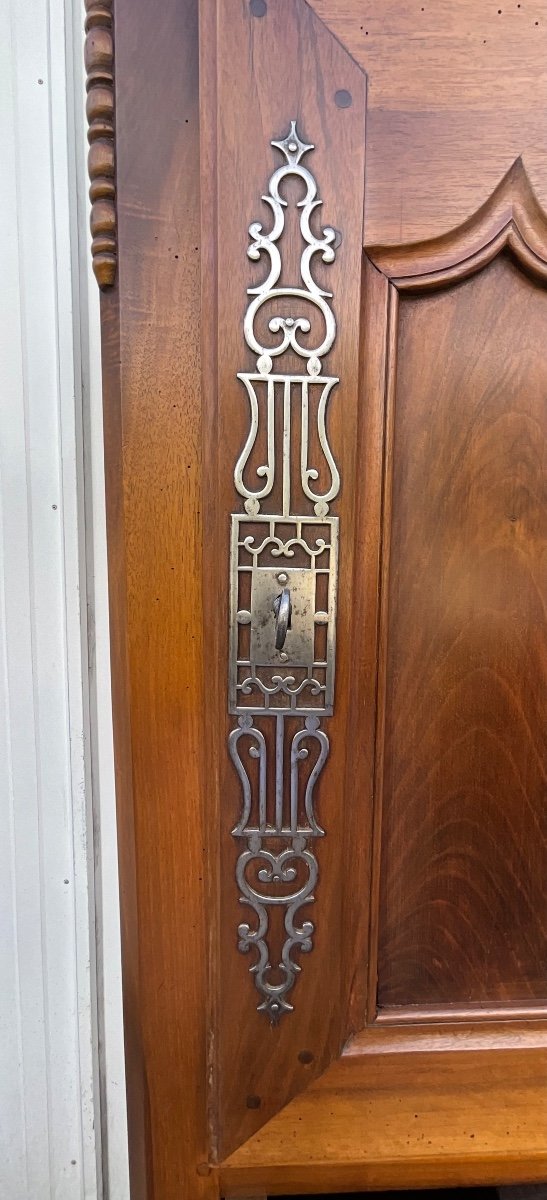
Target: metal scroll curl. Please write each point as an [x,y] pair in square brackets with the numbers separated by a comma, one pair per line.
[286,538]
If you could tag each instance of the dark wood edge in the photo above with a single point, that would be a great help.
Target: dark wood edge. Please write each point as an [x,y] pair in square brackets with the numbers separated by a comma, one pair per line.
[135,1072]
[101,161]
[211,518]
[387,406]
[338,1177]
[424,1015]
[359,908]
[510,1033]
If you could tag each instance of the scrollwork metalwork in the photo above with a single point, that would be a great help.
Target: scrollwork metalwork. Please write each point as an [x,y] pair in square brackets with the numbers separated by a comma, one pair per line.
[293,547]
[265,243]
[279,869]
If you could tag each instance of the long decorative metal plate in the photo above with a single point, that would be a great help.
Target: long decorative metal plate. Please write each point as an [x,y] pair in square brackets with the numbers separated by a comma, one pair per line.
[283,551]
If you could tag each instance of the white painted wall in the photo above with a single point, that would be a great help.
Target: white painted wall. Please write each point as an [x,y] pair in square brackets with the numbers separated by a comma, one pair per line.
[62,1109]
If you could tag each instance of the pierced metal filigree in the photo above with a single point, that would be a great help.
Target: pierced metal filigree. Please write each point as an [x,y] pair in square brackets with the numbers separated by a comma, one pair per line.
[287,542]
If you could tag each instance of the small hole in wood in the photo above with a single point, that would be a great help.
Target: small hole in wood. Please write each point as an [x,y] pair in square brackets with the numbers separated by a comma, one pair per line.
[258,8]
[253,1102]
[305,1057]
[343,99]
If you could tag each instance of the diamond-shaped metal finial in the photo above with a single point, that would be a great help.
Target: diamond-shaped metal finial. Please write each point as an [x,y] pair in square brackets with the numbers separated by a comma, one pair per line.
[292,146]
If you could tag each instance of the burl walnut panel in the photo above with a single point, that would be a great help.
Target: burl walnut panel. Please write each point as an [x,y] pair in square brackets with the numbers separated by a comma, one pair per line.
[464,831]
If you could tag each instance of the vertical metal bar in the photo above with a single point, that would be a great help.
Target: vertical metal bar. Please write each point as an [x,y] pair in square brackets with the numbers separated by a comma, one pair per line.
[304,435]
[279,772]
[294,786]
[286,447]
[262,792]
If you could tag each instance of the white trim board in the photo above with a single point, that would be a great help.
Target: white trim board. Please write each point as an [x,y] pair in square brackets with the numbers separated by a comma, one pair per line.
[55,727]
[109,985]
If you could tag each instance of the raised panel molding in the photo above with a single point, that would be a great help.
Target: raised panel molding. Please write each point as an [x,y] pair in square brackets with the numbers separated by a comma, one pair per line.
[461,544]
[510,219]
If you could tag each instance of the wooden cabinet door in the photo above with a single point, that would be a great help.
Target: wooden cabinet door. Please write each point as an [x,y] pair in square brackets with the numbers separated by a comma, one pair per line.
[324,330]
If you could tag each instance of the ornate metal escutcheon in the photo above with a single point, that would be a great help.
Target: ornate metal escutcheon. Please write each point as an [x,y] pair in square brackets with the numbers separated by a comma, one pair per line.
[283,584]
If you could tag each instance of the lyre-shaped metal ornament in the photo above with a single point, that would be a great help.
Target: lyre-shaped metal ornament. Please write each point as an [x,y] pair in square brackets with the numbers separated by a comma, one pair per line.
[284,554]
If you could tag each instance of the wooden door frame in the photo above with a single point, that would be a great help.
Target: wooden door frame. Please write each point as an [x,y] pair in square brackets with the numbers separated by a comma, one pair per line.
[162,55]
[147,245]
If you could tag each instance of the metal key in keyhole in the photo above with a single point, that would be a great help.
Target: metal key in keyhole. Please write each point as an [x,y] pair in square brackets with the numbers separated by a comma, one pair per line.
[282,608]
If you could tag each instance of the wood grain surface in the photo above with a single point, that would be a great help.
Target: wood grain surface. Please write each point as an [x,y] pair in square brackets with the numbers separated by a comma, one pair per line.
[257,75]
[510,219]
[385,1120]
[434,781]
[464,828]
[153,416]
[457,92]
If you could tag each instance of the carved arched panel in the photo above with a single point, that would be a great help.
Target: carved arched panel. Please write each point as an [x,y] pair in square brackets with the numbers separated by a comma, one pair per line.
[461,853]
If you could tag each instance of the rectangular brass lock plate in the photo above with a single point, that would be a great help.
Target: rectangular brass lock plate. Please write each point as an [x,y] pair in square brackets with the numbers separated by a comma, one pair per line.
[266,584]
[299,676]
